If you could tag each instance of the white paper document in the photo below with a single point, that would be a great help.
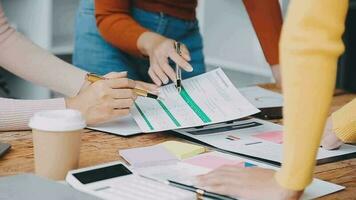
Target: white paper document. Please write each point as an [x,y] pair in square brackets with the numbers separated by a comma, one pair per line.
[204,99]
[186,171]
[124,126]
[262,98]
[257,138]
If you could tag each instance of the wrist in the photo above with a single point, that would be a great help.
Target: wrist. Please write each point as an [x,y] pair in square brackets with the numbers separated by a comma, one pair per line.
[70,103]
[285,193]
[85,84]
[75,104]
[146,42]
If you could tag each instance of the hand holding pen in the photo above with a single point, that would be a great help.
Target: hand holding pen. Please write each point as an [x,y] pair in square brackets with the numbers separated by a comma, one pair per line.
[108,98]
[160,49]
[138,89]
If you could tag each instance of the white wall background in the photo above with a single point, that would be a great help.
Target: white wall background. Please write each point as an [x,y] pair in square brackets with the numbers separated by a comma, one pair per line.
[229,38]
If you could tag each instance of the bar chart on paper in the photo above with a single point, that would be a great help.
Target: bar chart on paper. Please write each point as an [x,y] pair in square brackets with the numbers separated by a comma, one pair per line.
[204,99]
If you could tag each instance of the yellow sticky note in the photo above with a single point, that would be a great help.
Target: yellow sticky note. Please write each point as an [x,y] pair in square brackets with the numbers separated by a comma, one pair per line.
[183,150]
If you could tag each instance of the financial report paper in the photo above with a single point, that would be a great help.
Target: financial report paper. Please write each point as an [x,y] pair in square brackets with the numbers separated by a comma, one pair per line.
[257,138]
[262,98]
[186,170]
[205,99]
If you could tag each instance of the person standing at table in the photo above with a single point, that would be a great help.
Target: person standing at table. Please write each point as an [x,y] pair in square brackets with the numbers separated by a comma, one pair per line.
[311,43]
[138,35]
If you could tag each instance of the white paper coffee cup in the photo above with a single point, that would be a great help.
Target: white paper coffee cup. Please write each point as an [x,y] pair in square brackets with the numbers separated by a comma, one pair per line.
[56,138]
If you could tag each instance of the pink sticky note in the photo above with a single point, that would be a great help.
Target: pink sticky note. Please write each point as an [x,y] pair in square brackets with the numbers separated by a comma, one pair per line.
[211,161]
[273,136]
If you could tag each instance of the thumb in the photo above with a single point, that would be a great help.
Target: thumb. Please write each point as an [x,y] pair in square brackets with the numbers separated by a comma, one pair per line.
[113,75]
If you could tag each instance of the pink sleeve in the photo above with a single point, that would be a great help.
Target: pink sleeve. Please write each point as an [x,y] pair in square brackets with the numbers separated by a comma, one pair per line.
[15,114]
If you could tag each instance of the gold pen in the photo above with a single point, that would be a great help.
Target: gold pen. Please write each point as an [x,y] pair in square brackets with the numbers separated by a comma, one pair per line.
[140,92]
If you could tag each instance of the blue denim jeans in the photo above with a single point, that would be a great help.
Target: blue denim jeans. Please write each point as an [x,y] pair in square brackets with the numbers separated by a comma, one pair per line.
[95,55]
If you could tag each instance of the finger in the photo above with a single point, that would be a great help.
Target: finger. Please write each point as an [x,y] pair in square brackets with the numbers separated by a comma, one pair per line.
[331,142]
[122,103]
[147,86]
[167,69]
[180,61]
[161,75]
[121,83]
[119,112]
[122,94]
[112,75]
[185,53]
[332,146]
[154,77]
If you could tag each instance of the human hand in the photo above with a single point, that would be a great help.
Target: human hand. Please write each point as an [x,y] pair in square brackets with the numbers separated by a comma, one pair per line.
[330,141]
[152,88]
[104,99]
[276,71]
[159,49]
[246,183]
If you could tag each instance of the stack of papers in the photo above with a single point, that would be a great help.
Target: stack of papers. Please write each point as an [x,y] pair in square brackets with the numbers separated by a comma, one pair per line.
[162,154]
[262,98]
[159,162]
[257,138]
[206,109]
[185,171]
[124,126]
[205,99]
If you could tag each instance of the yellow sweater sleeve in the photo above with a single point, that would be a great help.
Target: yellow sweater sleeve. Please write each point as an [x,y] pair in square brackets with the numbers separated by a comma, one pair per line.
[344,122]
[310,46]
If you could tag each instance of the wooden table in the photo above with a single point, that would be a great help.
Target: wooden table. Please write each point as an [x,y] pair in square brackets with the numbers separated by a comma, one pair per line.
[100,147]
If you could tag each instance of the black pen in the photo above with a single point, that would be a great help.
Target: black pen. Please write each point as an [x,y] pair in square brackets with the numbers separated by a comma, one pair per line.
[178,69]
[200,192]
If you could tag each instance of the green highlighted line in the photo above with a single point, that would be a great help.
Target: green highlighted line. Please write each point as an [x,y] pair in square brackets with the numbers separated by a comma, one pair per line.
[198,111]
[191,103]
[175,121]
[144,117]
